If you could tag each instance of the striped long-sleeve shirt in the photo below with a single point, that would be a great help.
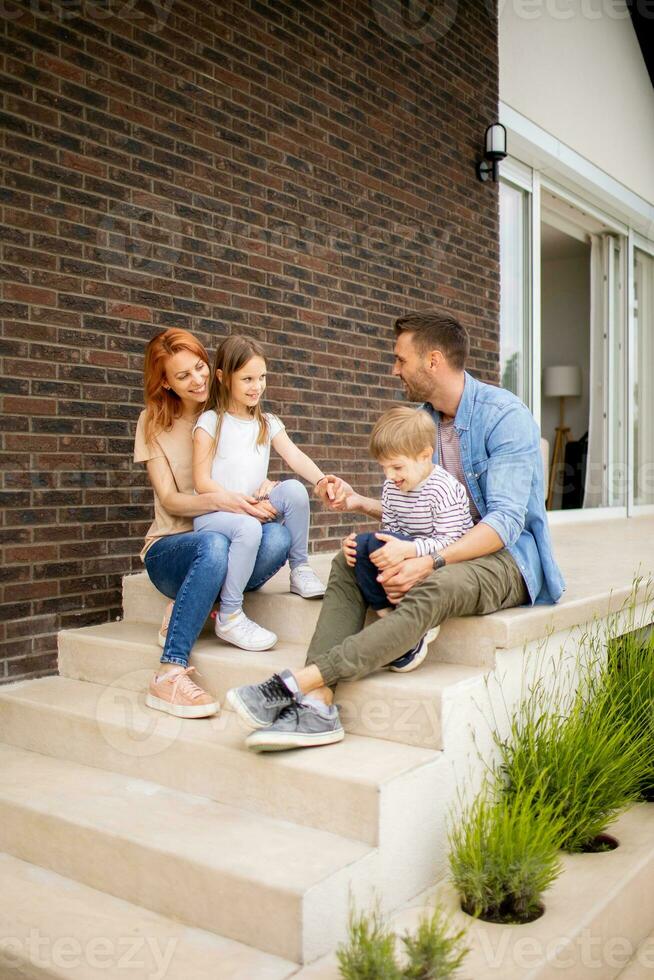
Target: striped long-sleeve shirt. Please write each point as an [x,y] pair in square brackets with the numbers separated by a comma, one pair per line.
[435,514]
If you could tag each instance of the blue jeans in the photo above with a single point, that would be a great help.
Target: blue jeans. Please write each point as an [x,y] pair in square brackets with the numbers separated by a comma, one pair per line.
[191,568]
[366,571]
[291,501]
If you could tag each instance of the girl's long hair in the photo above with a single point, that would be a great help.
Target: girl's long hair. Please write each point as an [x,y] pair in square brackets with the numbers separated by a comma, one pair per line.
[232,354]
[162,405]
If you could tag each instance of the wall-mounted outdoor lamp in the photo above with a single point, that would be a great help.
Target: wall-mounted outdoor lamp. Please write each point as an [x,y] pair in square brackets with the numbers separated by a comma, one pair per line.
[494,151]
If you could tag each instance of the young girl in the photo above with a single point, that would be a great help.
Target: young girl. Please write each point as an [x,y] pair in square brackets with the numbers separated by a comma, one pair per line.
[231,449]
[187,566]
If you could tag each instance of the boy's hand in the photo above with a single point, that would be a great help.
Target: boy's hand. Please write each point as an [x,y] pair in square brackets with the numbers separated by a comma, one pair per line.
[349,545]
[333,492]
[394,552]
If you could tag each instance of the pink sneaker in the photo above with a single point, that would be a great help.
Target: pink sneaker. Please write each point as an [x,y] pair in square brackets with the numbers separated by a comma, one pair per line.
[175,693]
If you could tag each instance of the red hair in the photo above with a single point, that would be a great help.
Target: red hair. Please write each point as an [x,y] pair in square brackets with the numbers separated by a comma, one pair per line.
[162,405]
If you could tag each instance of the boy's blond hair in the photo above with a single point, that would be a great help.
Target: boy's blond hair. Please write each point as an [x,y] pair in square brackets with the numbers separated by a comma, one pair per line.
[402,431]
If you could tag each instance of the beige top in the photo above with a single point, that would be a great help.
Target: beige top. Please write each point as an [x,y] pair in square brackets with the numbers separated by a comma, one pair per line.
[176,447]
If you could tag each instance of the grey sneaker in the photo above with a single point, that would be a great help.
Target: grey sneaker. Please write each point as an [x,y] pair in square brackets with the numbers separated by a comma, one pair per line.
[257,705]
[298,726]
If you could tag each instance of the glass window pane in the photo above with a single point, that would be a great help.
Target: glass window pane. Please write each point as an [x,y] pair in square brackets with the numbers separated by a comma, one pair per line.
[617,468]
[514,355]
[644,393]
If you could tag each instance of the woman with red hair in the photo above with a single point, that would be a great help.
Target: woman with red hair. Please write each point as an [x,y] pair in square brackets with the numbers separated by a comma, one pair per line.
[187,566]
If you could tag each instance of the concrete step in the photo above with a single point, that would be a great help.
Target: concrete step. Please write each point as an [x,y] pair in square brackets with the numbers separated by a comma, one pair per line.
[399,707]
[641,964]
[471,640]
[597,922]
[347,788]
[53,928]
[280,887]
[288,615]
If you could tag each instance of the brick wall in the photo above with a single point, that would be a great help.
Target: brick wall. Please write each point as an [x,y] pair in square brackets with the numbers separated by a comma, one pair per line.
[302,172]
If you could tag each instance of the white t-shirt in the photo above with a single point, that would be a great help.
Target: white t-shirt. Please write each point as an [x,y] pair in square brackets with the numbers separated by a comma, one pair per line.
[239,464]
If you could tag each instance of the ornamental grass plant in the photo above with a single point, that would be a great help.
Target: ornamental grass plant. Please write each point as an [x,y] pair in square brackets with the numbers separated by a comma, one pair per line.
[435,952]
[504,853]
[585,753]
[630,675]
[369,953]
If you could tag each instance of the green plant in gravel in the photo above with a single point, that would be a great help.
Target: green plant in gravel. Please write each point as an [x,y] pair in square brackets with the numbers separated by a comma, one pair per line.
[504,853]
[579,753]
[433,953]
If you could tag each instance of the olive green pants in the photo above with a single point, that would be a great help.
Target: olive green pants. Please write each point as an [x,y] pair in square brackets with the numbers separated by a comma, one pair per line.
[343,650]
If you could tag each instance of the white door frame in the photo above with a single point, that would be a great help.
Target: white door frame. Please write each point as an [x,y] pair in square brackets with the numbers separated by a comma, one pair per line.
[558,168]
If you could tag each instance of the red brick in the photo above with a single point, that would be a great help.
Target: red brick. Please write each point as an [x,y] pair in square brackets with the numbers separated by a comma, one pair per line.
[29,294]
[282,233]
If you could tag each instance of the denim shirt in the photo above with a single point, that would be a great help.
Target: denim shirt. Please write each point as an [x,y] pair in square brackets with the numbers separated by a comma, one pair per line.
[503,467]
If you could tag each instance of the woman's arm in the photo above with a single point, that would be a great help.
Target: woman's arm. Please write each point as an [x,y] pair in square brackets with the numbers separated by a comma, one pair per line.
[298,461]
[193,505]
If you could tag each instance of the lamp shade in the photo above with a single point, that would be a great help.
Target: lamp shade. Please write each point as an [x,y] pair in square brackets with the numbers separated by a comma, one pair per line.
[495,142]
[562,381]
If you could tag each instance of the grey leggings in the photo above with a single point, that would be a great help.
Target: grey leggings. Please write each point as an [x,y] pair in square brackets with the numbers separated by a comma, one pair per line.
[291,501]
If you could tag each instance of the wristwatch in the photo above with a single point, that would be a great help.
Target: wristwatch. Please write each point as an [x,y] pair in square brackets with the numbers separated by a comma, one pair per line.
[439,562]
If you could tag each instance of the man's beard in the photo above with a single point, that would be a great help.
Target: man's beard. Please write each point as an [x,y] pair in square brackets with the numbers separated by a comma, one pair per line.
[416,390]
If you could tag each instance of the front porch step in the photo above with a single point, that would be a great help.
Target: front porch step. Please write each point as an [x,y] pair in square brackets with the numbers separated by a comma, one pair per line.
[471,640]
[402,708]
[260,881]
[53,928]
[348,788]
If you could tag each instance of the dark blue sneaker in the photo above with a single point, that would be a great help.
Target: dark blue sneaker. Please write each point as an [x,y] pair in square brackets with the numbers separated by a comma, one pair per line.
[415,656]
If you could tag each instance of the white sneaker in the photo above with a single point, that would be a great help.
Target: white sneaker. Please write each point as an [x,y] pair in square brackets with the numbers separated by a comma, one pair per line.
[305,582]
[244,633]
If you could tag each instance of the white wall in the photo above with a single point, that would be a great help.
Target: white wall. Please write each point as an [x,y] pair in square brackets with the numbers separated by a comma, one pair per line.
[565,306]
[574,67]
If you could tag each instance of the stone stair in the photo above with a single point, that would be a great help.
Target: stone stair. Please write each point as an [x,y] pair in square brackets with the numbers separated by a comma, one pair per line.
[122,824]
[125,809]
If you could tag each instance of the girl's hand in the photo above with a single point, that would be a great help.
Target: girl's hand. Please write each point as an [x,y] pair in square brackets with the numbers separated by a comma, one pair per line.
[265,488]
[394,552]
[349,545]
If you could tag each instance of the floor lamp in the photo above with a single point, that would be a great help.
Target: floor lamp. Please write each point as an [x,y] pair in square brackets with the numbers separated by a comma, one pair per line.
[562,381]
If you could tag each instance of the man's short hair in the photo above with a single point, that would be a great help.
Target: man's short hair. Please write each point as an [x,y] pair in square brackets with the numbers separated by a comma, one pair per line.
[402,431]
[437,331]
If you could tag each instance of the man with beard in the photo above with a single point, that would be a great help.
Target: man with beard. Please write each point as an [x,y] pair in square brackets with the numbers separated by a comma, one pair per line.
[488,440]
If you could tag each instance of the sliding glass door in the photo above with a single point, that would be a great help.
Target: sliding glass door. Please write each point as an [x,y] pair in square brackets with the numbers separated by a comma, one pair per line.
[514,291]
[643,386]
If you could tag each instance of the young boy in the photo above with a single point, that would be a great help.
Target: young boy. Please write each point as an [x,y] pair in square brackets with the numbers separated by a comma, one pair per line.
[424,509]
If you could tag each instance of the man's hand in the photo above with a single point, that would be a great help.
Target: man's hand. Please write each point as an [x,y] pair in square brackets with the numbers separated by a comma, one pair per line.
[397,580]
[394,552]
[349,545]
